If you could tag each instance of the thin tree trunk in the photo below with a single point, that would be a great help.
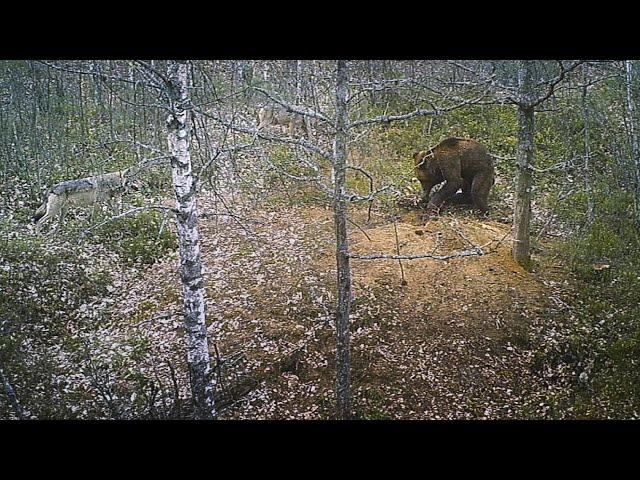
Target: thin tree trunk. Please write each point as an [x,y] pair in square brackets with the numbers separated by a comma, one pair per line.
[179,125]
[525,160]
[587,157]
[111,127]
[35,145]
[343,364]
[83,117]
[299,73]
[631,81]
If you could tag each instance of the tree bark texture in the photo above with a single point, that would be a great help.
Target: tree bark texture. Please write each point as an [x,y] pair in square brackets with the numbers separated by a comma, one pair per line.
[343,364]
[525,160]
[179,125]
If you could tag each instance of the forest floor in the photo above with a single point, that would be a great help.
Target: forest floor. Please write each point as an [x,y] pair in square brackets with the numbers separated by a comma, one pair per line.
[457,339]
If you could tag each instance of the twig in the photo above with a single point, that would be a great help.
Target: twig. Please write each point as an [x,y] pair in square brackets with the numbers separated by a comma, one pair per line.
[218,366]
[395,230]
[495,247]
[463,236]
[359,228]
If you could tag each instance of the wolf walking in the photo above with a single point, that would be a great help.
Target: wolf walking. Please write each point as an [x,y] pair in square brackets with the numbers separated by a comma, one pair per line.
[279,115]
[85,191]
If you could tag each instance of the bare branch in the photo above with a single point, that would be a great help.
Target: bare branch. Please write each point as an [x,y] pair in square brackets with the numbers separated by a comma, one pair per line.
[136,104]
[554,82]
[127,213]
[134,142]
[385,256]
[415,113]
[94,73]
[153,70]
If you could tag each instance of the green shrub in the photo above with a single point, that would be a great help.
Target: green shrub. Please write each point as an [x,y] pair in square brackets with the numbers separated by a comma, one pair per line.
[605,315]
[140,238]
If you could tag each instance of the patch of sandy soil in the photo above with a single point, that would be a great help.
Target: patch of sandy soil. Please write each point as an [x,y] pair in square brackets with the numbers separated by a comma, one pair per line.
[450,341]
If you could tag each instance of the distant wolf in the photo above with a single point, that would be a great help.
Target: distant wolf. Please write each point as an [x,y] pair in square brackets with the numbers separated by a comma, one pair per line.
[87,191]
[279,115]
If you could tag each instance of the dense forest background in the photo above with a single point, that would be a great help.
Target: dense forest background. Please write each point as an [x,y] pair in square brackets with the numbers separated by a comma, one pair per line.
[92,321]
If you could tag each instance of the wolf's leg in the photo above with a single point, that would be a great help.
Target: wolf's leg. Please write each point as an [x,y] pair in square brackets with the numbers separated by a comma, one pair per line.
[51,208]
[63,213]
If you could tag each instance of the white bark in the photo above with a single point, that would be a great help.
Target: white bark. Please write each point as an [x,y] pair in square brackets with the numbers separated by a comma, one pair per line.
[179,125]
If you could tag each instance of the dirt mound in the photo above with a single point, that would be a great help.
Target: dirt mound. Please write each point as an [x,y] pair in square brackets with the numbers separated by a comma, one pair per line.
[449,342]
[475,287]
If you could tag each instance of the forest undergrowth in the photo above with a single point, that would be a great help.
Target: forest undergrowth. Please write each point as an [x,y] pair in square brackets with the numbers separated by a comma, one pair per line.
[465,338]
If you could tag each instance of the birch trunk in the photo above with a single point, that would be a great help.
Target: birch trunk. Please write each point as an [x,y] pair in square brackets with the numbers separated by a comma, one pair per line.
[631,81]
[343,364]
[179,125]
[525,160]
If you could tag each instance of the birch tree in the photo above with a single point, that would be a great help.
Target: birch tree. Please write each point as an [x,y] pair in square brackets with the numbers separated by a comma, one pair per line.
[173,88]
[178,137]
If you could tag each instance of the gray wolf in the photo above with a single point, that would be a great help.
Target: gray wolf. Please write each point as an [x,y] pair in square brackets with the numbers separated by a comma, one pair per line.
[83,191]
[279,115]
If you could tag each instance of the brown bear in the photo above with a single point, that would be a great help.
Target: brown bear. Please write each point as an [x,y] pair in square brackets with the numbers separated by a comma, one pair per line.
[464,164]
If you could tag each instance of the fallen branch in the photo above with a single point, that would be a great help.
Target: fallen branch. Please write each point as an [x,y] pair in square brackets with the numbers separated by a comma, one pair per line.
[385,256]
[477,250]
[461,234]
